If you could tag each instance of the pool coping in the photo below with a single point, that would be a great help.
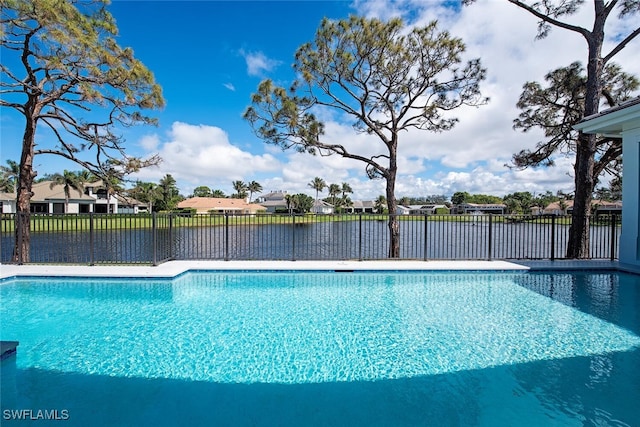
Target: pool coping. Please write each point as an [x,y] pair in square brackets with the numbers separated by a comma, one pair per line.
[173,269]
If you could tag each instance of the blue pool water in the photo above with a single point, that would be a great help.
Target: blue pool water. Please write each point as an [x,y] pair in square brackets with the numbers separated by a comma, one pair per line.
[370,348]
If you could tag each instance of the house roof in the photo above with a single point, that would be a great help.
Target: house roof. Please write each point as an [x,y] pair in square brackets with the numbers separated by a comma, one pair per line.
[274,195]
[362,204]
[7,197]
[43,192]
[275,203]
[126,200]
[484,205]
[322,203]
[216,203]
[613,121]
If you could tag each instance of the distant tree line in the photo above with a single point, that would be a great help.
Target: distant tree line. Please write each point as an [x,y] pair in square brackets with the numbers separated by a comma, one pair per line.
[165,195]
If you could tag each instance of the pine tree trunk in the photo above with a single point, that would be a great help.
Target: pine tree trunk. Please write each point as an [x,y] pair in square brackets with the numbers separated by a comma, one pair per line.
[24,194]
[394,226]
[392,205]
[579,241]
[585,181]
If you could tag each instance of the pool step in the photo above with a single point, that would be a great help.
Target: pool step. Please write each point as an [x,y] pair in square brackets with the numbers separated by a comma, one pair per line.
[8,348]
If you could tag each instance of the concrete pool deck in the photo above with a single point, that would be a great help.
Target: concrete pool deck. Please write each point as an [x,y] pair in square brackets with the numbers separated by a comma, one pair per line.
[174,268]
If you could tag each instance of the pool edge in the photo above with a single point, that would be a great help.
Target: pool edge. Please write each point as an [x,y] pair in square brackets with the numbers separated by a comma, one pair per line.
[173,269]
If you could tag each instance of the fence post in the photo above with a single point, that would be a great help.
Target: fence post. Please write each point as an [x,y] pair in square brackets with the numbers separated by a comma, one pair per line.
[360,236]
[613,237]
[226,236]
[293,237]
[426,218]
[154,238]
[170,239]
[92,258]
[19,246]
[490,239]
[553,238]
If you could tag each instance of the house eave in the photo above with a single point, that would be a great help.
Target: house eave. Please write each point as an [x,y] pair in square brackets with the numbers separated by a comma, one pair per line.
[612,122]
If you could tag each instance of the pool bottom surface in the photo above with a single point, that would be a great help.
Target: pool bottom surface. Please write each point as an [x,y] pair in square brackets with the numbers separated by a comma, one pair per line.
[327,349]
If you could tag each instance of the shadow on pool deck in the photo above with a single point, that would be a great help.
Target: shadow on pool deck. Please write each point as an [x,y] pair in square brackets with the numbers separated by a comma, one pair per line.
[596,390]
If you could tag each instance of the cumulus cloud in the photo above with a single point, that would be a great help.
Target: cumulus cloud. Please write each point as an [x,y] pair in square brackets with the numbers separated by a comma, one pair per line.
[471,157]
[203,155]
[258,63]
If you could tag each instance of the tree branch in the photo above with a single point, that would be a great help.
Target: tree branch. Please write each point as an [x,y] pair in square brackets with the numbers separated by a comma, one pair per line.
[621,45]
[549,19]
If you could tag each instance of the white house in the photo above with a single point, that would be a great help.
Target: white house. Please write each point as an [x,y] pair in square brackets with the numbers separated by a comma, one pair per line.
[419,209]
[361,206]
[47,199]
[322,207]
[624,121]
[485,208]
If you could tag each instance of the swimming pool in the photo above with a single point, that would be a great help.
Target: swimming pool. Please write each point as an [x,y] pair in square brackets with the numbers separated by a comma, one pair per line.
[326,348]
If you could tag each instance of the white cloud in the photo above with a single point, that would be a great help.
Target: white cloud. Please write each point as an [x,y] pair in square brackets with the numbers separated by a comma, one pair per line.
[471,157]
[258,63]
[203,155]
[475,151]
[230,86]
[150,142]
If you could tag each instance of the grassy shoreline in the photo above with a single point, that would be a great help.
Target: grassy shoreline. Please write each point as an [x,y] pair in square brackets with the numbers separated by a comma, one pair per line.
[87,222]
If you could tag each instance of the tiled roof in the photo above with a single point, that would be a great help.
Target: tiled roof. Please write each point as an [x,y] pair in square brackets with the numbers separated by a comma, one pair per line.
[215,203]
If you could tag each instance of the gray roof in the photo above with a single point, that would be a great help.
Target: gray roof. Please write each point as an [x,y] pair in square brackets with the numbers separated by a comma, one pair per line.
[362,204]
[622,106]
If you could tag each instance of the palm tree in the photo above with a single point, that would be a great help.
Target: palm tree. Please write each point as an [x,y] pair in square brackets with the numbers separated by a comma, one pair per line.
[380,204]
[253,187]
[317,184]
[345,190]
[290,200]
[241,189]
[146,192]
[112,183]
[218,194]
[68,180]
[334,190]
[9,176]
[169,193]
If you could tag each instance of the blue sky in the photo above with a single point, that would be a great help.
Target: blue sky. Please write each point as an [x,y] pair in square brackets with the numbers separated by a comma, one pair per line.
[209,56]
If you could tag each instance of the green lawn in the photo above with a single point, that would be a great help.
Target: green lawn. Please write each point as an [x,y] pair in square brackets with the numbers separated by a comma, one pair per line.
[55,223]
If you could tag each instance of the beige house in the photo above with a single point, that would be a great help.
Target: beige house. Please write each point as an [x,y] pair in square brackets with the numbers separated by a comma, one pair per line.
[47,199]
[600,207]
[205,205]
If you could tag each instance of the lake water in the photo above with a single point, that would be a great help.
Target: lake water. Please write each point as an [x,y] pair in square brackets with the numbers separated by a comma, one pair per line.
[313,241]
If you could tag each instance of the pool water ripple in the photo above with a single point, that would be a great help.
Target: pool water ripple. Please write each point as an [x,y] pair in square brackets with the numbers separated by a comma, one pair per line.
[291,328]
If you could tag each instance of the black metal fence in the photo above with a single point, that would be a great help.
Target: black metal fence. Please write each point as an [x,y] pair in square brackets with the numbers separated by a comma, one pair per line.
[156,238]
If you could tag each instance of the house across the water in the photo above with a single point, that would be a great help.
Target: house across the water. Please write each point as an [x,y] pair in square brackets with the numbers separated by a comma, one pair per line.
[94,198]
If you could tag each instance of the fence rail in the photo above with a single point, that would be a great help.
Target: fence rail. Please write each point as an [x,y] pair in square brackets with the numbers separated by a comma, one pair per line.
[156,238]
